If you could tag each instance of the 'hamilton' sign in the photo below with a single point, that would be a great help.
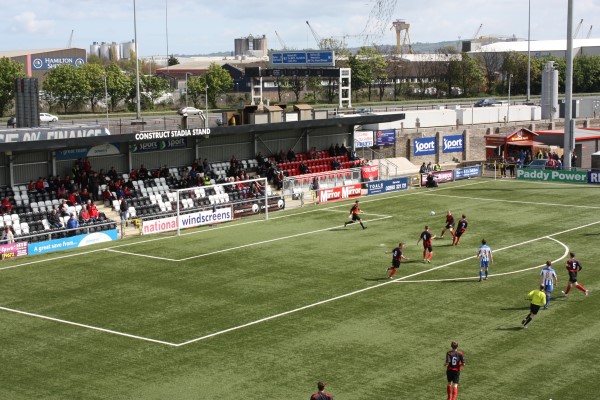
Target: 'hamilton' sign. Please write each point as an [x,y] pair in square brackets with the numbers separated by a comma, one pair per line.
[53,133]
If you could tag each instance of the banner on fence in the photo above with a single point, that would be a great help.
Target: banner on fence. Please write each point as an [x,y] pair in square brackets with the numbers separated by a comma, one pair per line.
[13,250]
[439,177]
[552,175]
[385,137]
[191,220]
[370,172]
[363,139]
[425,146]
[72,242]
[390,185]
[467,172]
[339,193]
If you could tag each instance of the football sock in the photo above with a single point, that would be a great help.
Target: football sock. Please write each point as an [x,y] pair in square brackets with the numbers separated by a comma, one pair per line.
[454,392]
[429,256]
[480,274]
[486,273]
[547,299]
[568,289]
[424,254]
[449,392]
[528,319]
[578,286]
[392,273]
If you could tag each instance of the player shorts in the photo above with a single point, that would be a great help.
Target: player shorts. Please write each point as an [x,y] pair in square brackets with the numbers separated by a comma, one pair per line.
[534,308]
[484,264]
[427,247]
[453,376]
[355,217]
[449,226]
[395,263]
[549,288]
[572,277]
[460,232]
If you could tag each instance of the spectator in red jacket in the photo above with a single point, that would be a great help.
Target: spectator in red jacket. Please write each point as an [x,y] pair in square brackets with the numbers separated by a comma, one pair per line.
[6,205]
[93,210]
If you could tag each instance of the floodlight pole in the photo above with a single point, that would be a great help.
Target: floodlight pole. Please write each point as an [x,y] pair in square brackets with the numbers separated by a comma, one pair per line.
[569,141]
[106,100]
[529,54]
[138,113]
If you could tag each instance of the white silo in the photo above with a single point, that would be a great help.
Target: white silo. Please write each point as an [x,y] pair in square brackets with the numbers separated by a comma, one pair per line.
[126,49]
[115,51]
[105,51]
[549,91]
[95,49]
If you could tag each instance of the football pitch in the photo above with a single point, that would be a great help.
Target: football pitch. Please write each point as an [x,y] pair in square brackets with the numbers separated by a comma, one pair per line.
[254,308]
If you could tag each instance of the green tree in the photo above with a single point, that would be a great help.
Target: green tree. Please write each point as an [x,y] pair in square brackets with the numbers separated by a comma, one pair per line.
[196,90]
[67,85]
[9,71]
[313,84]
[296,85]
[586,74]
[93,75]
[172,60]
[118,85]
[218,81]
[470,75]
[375,69]
[361,74]
[153,87]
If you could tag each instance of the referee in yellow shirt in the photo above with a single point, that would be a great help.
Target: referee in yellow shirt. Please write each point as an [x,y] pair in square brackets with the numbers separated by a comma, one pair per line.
[538,299]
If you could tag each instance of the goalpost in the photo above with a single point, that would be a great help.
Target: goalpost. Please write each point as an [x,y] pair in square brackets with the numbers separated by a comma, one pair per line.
[222,202]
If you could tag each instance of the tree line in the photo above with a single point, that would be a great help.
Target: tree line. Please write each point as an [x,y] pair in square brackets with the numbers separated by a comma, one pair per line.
[375,77]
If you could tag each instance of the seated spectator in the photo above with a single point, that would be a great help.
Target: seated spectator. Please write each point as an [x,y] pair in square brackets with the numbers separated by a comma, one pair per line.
[107,195]
[84,215]
[343,150]
[335,164]
[280,157]
[54,219]
[233,162]
[291,156]
[260,160]
[437,167]
[279,180]
[429,167]
[331,151]
[85,196]
[133,174]
[353,156]
[303,168]
[7,235]
[93,210]
[337,150]
[31,186]
[64,208]
[430,183]
[6,205]
[120,192]
[72,225]
[312,153]
[39,185]
[164,172]
[112,173]
[423,169]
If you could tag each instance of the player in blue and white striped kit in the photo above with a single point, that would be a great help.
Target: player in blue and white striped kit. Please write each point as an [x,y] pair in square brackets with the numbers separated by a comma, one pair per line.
[485,258]
[549,279]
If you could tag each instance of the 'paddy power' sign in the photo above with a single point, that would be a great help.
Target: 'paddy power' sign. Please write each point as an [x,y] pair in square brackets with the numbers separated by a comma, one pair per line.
[552,175]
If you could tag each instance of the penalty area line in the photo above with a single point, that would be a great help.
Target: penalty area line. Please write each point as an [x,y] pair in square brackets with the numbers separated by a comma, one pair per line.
[95,328]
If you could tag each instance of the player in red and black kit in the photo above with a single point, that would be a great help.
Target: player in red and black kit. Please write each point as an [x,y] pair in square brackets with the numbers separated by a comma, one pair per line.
[460,229]
[426,237]
[354,211]
[396,258]
[454,363]
[574,266]
[321,395]
[449,225]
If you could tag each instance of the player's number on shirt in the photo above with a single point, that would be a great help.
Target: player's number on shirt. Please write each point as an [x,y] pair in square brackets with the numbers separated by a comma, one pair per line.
[454,361]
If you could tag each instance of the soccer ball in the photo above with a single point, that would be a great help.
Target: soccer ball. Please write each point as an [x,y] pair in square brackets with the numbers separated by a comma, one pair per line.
[432,213]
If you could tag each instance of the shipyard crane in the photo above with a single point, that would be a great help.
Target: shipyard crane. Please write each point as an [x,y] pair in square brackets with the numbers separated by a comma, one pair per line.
[577,29]
[477,31]
[316,36]
[70,39]
[281,42]
[589,32]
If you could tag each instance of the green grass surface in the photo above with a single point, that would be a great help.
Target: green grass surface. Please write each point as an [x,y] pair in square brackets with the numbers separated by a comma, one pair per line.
[256,309]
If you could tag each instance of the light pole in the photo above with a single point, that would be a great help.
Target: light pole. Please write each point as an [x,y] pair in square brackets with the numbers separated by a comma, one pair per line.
[529,54]
[186,86]
[106,99]
[138,113]
[508,111]
[206,103]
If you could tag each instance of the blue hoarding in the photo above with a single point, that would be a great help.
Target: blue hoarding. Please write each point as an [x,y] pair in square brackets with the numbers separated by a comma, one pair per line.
[303,58]
[390,185]
[452,144]
[425,146]
[72,242]
[169,144]
[385,137]
[594,177]
[46,63]
[468,172]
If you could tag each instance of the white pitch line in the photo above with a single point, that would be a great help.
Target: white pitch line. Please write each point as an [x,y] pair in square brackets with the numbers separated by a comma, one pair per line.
[515,201]
[362,290]
[498,274]
[62,321]
[269,241]
[141,255]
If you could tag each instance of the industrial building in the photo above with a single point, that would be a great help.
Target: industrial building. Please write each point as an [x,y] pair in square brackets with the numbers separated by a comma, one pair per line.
[37,63]
[540,48]
[113,51]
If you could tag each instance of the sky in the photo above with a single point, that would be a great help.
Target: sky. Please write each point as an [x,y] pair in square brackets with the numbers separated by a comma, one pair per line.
[187,27]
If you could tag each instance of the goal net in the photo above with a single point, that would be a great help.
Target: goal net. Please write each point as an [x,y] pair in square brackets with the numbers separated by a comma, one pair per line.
[210,204]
